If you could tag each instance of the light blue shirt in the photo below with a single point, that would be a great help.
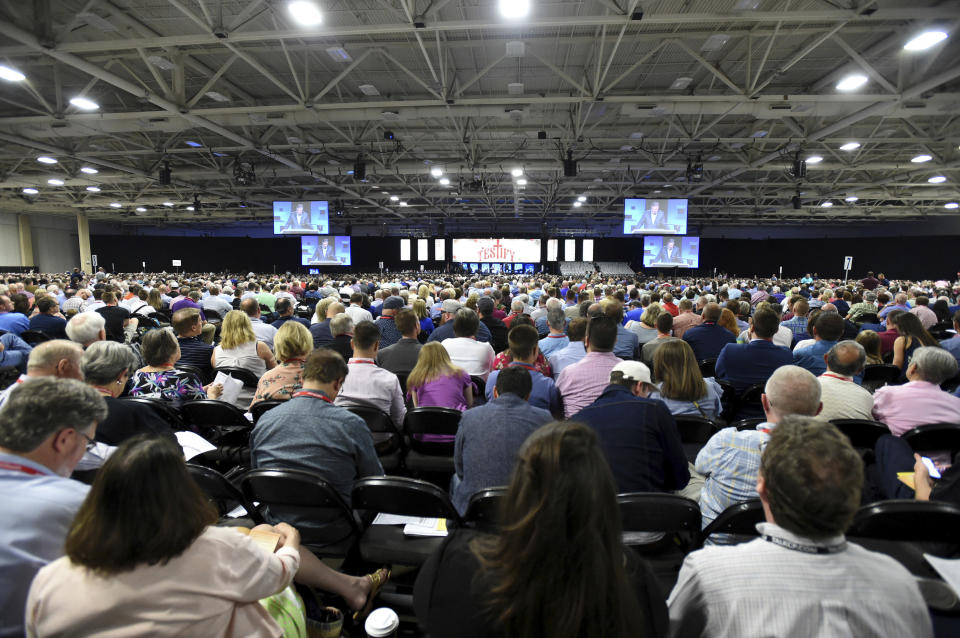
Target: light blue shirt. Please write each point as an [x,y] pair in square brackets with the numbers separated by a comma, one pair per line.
[564,357]
[952,346]
[38,509]
[553,343]
[544,394]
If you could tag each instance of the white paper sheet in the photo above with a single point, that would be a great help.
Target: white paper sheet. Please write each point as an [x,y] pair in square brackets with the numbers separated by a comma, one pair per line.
[193,444]
[231,387]
[948,568]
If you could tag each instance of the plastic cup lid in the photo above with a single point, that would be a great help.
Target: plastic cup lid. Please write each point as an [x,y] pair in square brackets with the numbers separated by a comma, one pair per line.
[381,622]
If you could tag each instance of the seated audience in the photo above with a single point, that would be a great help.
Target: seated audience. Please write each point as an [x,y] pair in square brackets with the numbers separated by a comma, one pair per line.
[445,331]
[491,434]
[894,455]
[842,398]
[423,317]
[664,334]
[106,367]
[870,341]
[401,357]
[911,335]
[293,343]
[436,381]
[952,344]
[919,401]
[524,347]
[194,351]
[890,334]
[86,328]
[368,384]
[798,323]
[747,364]
[504,358]
[386,323]
[341,327]
[729,322]
[285,308]
[239,347]
[46,425]
[264,331]
[13,318]
[356,311]
[557,568]
[557,339]
[921,310]
[638,434]
[801,576]
[709,338]
[475,357]
[730,459]
[55,358]
[628,343]
[498,330]
[14,352]
[686,319]
[48,319]
[159,378]
[574,350]
[581,383]
[117,319]
[681,386]
[646,327]
[213,302]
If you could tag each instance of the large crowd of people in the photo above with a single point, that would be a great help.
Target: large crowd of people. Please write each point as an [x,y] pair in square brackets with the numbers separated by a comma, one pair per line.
[569,391]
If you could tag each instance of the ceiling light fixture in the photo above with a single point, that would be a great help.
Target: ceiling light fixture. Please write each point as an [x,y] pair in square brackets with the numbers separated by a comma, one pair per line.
[951,205]
[141,209]
[11,75]
[920,159]
[444,181]
[305,13]
[937,179]
[513,9]
[436,171]
[116,205]
[582,198]
[577,204]
[83,103]
[850,146]
[44,159]
[368,89]
[394,198]
[517,172]
[521,182]
[925,40]
[852,82]
[190,208]
[168,204]
[30,191]
[814,159]
[93,189]
[851,198]
[403,203]
[88,170]
[827,204]
[55,182]
[339,54]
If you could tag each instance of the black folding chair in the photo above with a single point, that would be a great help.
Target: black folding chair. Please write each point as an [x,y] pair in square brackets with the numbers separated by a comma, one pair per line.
[878,375]
[935,437]
[219,421]
[425,455]
[483,510]
[480,396]
[868,318]
[708,368]
[262,406]
[729,399]
[33,337]
[222,493]
[739,520]
[325,521]
[747,424]
[248,378]
[386,437]
[695,431]
[750,405]
[951,384]
[204,378]
[404,497]
[908,520]
[863,433]
[164,409]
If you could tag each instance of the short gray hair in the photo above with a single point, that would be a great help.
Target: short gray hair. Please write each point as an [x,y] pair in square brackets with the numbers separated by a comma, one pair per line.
[870,296]
[517,305]
[934,364]
[159,345]
[341,324]
[85,327]
[556,318]
[39,407]
[793,390]
[104,361]
[850,368]
[48,354]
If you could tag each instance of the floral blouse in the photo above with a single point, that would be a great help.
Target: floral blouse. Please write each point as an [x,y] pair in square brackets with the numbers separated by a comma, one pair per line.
[280,383]
[171,385]
[504,358]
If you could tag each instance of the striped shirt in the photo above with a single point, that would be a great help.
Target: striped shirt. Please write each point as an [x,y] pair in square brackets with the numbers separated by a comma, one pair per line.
[581,383]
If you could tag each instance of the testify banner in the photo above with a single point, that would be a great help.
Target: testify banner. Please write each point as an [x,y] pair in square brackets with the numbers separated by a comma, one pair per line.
[496,250]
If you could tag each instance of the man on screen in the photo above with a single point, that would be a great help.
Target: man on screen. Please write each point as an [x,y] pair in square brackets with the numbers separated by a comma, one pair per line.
[298,220]
[324,252]
[653,219]
[669,254]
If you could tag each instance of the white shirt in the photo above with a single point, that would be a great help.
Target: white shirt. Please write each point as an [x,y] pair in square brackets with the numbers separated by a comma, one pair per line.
[784,337]
[217,304]
[367,384]
[264,331]
[476,357]
[762,588]
[358,314]
[843,399]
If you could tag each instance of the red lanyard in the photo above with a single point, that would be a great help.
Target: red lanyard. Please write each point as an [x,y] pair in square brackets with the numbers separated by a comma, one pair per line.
[369,361]
[312,395]
[835,376]
[523,365]
[556,336]
[16,467]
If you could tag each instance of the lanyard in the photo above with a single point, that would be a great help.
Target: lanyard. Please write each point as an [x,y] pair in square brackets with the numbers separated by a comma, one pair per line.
[528,366]
[556,336]
[312,395]
[835,376]
[16,467]
[805,548]
[368,361]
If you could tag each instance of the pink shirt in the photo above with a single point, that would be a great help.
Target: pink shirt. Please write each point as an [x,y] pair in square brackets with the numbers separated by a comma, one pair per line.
[582,382]
[903,407]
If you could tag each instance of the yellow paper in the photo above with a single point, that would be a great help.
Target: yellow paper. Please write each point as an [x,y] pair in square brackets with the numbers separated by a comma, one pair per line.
[907,478]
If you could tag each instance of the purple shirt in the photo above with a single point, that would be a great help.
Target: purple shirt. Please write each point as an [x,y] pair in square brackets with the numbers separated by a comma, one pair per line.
[186,302]
[443,392]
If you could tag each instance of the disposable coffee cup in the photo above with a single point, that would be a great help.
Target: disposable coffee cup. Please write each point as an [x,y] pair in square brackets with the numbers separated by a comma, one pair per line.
[382,623]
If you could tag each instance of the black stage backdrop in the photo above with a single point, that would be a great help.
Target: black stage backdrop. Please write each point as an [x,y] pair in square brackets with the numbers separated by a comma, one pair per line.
[905,257]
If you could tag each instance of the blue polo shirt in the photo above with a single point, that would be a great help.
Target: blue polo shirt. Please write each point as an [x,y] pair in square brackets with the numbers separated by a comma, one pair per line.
[544,394]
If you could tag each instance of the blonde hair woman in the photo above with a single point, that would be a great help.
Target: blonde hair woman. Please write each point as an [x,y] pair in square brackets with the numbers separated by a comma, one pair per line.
[646,328]
[435,381]
[239,347]
[293,343]
[682,388]
[423,316]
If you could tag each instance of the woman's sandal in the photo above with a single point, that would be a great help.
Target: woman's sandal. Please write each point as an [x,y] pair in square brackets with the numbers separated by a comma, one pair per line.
[378,579]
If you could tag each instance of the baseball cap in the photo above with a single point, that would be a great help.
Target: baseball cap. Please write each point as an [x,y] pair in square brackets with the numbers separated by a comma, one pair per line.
[450,305]
[633,371]
[393,303]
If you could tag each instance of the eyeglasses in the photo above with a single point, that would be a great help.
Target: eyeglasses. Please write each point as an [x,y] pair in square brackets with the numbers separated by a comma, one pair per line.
[90,442]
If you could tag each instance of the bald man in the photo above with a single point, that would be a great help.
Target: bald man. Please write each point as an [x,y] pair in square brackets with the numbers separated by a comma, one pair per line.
[58,358]
[841,396]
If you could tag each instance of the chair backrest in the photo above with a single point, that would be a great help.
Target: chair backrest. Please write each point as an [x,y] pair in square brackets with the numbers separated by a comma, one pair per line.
[402,378]
[908,520]
[301,493]
[695,429]
[262,406]
[164,409]
[207,412]
[386,437]
[211,314]
[951,384]
[869,317]
[195,371]
[878,375]
[403,496]
[431,420]
[739,518]
[483,510]
[656,512]
[751,396]
[480,395]
[222,492]
[863,433]
[708,368]
[747,424]
[248,378]
[730,399]
[34,337]
[934,437]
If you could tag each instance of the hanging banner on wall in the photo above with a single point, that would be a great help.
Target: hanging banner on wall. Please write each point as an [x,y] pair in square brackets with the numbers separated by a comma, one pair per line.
[496,250]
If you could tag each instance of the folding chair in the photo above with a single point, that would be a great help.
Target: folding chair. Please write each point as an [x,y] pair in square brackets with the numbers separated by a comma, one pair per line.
[262,406]
[695,431]
[935,437]
[386,437]
[863,433]
[879,375]
[430,455]
[222,493]
[740,520]
[483,510]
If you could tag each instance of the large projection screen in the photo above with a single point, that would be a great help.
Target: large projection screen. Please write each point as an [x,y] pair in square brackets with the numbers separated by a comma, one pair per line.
[496,250]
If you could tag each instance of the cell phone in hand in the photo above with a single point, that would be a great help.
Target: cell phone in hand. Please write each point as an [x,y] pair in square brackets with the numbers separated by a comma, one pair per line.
[931,468]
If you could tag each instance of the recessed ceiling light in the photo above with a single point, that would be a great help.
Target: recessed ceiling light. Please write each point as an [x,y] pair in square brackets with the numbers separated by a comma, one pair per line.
[305,13]
[169,204]
[403,203]
[582,198]
[44,159]
[55,182]
[189,207]
[84,103]
[522,182]
[715,42]
[814,159]
[951,205]
[394,198]
[517,172]
[577,204]
[920,159]
[850,146]
[368,89]
[115,205]
[937,179]
[436,171]
[852,82]
[681,83]
[925,40]
[30,191]
[513,9]
[93,189]
[826,204]
[88,170]
[141,209]
[444,181]
[11,75]
[851,198]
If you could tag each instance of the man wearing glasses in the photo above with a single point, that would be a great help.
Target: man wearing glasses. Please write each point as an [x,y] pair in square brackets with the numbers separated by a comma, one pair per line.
[46,425]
